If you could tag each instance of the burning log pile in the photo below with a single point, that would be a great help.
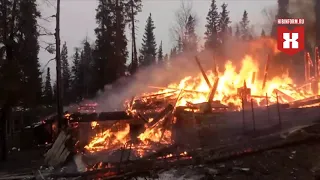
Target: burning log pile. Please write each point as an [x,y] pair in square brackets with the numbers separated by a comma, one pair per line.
[163,128]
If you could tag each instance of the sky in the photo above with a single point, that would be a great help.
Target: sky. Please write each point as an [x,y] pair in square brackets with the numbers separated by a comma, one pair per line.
[78,21]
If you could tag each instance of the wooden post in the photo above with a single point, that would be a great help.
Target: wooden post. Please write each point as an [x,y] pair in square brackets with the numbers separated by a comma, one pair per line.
[266,72]
[306,67]
[243,120]
[316,71]
[253,119]
[58,69]
[278,107]
[268,111]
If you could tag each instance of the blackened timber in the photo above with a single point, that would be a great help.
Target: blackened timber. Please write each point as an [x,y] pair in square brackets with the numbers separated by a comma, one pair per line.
[103,116]
[162,114]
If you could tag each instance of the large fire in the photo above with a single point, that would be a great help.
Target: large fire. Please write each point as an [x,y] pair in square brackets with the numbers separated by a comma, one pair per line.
[196,90]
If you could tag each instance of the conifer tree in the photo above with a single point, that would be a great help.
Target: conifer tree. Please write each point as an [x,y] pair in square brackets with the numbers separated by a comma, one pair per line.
[224,22]
[179,47]
[212,27]
[173,53]
[190,39]
[54,91]
[282,13]
[263,33]
[86,69]
[76,72]
[165,58]
[160,53]
[66,74]
[28,50]
[111,45]
[48,93]
[132,8]
[148,50]
[244,27]
[237,34]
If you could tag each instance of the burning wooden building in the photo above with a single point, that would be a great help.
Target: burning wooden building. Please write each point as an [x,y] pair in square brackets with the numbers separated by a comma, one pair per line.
[209,110]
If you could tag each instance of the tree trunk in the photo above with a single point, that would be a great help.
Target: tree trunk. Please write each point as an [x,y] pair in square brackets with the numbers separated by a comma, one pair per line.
[134,61]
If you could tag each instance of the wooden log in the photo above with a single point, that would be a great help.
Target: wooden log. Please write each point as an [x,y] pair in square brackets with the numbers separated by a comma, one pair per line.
[266,72]
[203,73]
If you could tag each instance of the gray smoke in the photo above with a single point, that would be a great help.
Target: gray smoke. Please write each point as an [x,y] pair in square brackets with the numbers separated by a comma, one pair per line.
[305,9]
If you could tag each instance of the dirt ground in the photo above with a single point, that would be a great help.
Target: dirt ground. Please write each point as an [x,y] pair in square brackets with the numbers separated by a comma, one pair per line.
[24,161]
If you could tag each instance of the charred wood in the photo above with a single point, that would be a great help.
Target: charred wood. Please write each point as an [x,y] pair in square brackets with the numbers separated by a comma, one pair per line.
[161,115]
[104,116]
[301,103]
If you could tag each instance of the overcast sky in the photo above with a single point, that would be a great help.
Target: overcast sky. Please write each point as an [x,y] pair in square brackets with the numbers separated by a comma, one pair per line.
[78,20]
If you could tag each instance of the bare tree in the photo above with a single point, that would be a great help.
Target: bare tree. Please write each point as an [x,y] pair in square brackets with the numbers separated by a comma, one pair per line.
[181,18]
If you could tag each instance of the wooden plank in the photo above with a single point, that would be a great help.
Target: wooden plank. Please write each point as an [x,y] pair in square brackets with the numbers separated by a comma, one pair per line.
[55,146]
[53,155]
[55,160]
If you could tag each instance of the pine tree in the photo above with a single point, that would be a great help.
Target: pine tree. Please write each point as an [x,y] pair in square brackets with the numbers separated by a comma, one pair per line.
[166,61]
[111,44]
[54,91]
[173,53]
[66,74]
[263,33]
[86,69]
[237,33]
[212,27]
[224,22]
[28,50]
[76,72]
[190,39]
[165,58]
[179,47]
[282,13]
[48,93]
[244,27]
[148,50]
[160,53]
[133,7]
